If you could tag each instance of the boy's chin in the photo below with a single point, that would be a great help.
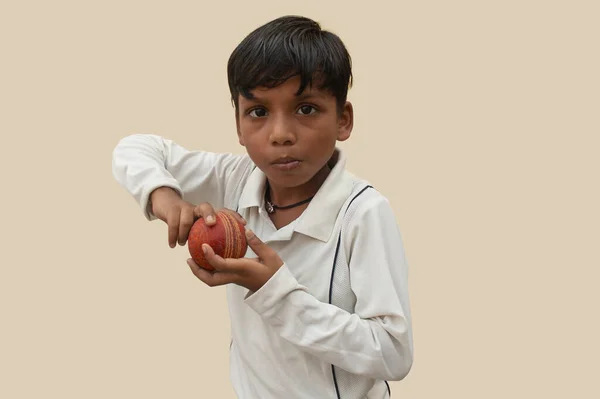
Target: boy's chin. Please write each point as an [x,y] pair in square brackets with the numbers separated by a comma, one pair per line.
[292,179]
[289,181]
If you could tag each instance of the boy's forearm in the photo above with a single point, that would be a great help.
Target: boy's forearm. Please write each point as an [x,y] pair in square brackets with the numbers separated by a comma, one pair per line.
[143,163]
[139,165]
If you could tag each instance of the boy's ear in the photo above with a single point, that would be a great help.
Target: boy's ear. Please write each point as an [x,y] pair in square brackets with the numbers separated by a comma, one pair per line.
[345,122]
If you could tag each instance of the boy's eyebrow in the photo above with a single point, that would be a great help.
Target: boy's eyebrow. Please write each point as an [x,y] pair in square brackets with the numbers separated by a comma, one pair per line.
[306,95]
[309,95]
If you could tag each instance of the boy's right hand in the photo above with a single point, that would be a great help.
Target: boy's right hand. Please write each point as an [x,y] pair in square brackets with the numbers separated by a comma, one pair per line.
[180,215]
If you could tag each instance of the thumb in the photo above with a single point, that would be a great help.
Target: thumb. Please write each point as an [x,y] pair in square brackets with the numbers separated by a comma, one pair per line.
[262,250]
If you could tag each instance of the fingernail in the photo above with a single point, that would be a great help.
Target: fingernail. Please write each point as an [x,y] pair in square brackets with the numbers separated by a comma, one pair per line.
[210,218]
[249,233]
[204,249]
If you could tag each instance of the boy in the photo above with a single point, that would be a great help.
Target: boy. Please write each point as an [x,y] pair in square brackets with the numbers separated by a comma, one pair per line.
[319,306]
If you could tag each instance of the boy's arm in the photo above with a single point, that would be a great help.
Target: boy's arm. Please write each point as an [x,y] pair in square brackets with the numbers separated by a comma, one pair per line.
[375,340]
[142,163]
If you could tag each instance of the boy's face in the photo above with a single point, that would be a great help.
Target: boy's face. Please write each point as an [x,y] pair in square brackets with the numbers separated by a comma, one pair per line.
[289,137]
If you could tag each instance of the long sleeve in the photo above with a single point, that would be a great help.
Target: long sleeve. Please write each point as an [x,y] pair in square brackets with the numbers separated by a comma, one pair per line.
[374,341]
[142,163]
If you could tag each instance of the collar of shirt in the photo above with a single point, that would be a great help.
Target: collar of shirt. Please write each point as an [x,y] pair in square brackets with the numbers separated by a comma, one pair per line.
[319,218]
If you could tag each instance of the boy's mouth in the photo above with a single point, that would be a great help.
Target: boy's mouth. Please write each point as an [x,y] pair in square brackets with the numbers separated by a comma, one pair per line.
[286,163]
[285,160]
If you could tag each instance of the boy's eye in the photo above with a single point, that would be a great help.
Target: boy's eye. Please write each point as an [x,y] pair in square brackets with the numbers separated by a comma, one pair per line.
[258,112]
[307,109]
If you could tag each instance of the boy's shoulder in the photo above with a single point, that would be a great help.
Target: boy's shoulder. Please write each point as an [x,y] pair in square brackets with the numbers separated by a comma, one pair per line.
[364,193]
[364,209]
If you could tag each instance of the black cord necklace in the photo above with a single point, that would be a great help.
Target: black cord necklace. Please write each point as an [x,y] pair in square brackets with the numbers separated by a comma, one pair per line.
[272,207]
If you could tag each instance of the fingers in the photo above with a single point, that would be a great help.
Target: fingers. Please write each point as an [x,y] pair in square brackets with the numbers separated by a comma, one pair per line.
[186,220]
[249,273]
[179,221]
[173,227]
[206,211]
[252,238]
[262,250]
[222,265]
[208,278]
[181,217]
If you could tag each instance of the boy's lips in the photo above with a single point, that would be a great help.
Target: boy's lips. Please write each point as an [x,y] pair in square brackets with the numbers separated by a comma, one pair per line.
[284,160]
[286,163]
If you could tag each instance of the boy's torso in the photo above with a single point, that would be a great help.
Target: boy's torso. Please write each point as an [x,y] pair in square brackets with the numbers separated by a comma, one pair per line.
[262,364]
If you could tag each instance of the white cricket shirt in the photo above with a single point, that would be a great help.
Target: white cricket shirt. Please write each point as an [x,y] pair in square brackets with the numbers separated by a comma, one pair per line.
[312,331]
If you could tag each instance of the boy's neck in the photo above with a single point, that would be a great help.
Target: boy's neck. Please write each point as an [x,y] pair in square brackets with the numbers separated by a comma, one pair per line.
[282,196]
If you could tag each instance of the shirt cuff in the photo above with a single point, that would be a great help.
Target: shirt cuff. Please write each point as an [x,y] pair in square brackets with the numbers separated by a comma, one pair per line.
[272,292]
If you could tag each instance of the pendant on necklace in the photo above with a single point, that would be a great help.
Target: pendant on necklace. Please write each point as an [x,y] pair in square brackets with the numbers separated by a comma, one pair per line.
[270,209]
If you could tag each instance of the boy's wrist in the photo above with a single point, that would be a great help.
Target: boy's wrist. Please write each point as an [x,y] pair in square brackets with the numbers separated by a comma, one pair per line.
[160,195]
[269,297]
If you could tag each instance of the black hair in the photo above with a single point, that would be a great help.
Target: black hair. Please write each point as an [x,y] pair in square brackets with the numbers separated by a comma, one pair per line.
[290,46]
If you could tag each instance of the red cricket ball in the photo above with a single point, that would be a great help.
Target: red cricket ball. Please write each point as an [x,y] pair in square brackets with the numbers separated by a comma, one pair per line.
[227,237]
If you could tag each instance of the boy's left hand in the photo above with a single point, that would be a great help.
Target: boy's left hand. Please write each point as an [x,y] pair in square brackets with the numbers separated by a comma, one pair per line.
[251,273]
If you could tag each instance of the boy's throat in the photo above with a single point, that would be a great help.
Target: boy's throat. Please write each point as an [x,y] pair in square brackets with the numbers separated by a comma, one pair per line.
[284,198]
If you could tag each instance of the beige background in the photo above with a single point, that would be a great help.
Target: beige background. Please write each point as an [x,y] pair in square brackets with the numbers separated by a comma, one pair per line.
[479,120]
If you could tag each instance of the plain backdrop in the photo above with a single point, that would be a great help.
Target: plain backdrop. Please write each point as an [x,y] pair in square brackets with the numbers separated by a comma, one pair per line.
[479,120]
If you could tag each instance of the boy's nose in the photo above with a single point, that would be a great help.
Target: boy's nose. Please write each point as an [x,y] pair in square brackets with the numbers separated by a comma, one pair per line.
[282,132]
